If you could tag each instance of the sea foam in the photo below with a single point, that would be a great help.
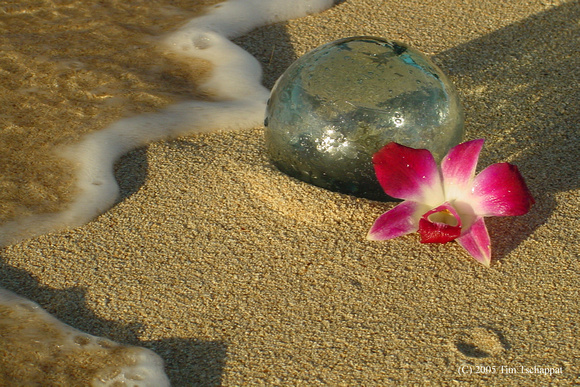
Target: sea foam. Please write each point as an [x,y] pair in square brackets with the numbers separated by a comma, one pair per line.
[38,349]
[238,102]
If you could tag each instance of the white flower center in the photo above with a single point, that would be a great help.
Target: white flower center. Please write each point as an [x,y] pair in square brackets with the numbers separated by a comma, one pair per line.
[445,217]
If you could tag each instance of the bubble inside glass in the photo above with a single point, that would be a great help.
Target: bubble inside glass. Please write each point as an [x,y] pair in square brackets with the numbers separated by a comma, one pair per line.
[340,103]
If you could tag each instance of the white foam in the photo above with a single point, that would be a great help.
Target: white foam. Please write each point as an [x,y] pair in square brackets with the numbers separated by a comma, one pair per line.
[237,17]
[53,346]
[239,102]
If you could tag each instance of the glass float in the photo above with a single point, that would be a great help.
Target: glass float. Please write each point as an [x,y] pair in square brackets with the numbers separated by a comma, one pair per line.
[340,103]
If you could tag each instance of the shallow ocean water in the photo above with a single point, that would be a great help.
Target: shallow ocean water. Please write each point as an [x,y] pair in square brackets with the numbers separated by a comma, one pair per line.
[69,68]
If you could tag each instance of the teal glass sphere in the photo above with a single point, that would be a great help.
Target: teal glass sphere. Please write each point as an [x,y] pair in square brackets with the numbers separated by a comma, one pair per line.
[340,103]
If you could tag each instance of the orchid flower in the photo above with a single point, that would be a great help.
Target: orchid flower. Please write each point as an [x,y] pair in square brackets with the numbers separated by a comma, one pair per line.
[450,202]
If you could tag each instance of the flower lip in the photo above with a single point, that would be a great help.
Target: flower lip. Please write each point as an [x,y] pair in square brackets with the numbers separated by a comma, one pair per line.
[440,225]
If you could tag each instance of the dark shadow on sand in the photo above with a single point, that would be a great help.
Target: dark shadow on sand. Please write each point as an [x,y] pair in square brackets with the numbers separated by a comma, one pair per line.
[188,362]
[531,68]
[131,172]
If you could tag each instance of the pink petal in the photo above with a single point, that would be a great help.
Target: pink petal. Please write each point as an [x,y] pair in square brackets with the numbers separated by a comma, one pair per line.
[458,167]
[408,173]
[440,225]
[400,220]
[500,190]
[476,242]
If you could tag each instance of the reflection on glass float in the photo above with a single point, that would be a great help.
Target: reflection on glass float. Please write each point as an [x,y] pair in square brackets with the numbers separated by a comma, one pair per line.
[340,103]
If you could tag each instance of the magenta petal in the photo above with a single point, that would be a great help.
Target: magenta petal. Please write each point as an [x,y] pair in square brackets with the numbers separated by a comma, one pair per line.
[500,190]
[476,242]
[458,166]
[408,173]
[400,220]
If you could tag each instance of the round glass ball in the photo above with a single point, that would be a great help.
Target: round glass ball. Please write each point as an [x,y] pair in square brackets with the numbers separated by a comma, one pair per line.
[340,103]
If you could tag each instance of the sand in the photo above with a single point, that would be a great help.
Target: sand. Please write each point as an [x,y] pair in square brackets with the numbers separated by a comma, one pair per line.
[236,274]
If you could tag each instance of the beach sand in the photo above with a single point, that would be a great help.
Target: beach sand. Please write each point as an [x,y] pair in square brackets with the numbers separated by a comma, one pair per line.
[236,274]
